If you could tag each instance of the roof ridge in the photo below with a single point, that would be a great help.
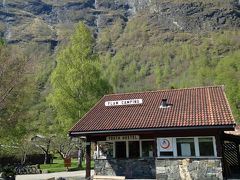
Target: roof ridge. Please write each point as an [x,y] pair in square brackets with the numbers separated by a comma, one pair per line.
[162,90]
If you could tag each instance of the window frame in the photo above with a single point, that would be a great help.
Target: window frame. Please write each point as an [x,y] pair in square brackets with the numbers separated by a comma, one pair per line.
[142,140]
[194,144]
[196,147]
[156,140]
[214,146]
[127,147]
[114,149]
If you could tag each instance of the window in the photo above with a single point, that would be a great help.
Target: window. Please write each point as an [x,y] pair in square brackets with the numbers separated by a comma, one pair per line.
[206,146]
[120,149]
[105,150]
[166,147]
[133,149]
[147,148]
[185,147]
[124,149]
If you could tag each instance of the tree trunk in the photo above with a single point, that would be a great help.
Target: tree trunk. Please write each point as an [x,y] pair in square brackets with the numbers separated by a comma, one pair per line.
[45,158]
[23,160]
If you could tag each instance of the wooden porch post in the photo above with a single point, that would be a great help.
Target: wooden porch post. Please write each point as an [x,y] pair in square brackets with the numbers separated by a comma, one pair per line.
[238,153]
[221,153]
[88,158]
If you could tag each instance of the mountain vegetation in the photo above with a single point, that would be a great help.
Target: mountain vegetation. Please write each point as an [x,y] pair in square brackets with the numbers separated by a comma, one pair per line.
[49,78]
[17,91]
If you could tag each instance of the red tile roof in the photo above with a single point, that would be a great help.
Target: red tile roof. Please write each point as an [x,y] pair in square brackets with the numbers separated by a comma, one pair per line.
[191,107]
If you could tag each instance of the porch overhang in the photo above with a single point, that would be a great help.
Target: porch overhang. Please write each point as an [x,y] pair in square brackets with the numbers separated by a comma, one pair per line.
[145,130]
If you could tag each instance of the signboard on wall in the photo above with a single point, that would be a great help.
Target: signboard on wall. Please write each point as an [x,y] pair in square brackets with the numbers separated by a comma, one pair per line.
[165,144]
[122,138]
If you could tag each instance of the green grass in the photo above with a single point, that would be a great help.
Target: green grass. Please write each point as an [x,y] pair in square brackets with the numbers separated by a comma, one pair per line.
[58,166]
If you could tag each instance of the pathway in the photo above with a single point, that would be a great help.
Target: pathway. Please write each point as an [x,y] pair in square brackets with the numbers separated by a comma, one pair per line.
[75,175]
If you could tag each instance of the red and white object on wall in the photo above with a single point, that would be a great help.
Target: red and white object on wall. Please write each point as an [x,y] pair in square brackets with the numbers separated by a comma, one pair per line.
[165,144]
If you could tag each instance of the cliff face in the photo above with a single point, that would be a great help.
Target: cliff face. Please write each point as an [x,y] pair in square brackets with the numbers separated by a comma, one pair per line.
[38,20]
[50,21]
[198,16]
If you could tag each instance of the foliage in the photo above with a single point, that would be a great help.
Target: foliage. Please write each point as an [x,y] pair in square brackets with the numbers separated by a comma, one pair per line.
[76,80]
[148,58]
[16,92]
[228,73]
[8,173]
[17,151]
[30,68]
[109,35]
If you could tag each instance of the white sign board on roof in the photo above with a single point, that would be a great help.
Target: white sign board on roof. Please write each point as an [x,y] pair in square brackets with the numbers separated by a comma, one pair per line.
[124,102]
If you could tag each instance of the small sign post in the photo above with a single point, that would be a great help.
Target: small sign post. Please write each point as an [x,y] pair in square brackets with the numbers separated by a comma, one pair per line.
[67,162]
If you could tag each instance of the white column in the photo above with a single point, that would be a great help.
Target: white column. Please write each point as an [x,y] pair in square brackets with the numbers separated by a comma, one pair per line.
[158,150]
[174,147]
[196,145]
[97,150]
[214,146]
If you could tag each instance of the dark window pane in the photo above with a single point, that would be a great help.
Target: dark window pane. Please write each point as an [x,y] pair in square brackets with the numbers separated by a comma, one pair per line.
[147,148]
[120,149]
[134,149]
[166,153]
[185,147]
[206,146]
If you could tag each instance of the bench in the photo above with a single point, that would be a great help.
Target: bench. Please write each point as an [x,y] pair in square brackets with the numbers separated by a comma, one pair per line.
[98,177]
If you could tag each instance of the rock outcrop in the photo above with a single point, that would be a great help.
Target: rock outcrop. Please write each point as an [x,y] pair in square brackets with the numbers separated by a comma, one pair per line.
[51,20]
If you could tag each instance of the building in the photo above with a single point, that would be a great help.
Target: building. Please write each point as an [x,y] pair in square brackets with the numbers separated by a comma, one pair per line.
[166,134]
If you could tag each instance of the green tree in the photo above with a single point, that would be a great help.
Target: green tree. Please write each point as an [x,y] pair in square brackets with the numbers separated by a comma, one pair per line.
[76,80]
[16,94]
[228,74]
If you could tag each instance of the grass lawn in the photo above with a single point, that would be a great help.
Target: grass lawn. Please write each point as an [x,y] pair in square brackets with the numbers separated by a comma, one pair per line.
[58,166]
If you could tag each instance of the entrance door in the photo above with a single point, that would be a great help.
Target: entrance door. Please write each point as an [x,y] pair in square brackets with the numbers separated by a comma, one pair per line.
[120,149]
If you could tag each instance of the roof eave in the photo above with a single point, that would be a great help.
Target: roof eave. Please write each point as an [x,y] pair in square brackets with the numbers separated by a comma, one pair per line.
[86,133]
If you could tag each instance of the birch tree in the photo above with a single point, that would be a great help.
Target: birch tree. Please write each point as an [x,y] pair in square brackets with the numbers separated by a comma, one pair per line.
[77,82]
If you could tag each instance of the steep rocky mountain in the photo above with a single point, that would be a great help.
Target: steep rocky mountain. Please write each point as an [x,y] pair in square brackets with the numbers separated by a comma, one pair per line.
[50,21]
